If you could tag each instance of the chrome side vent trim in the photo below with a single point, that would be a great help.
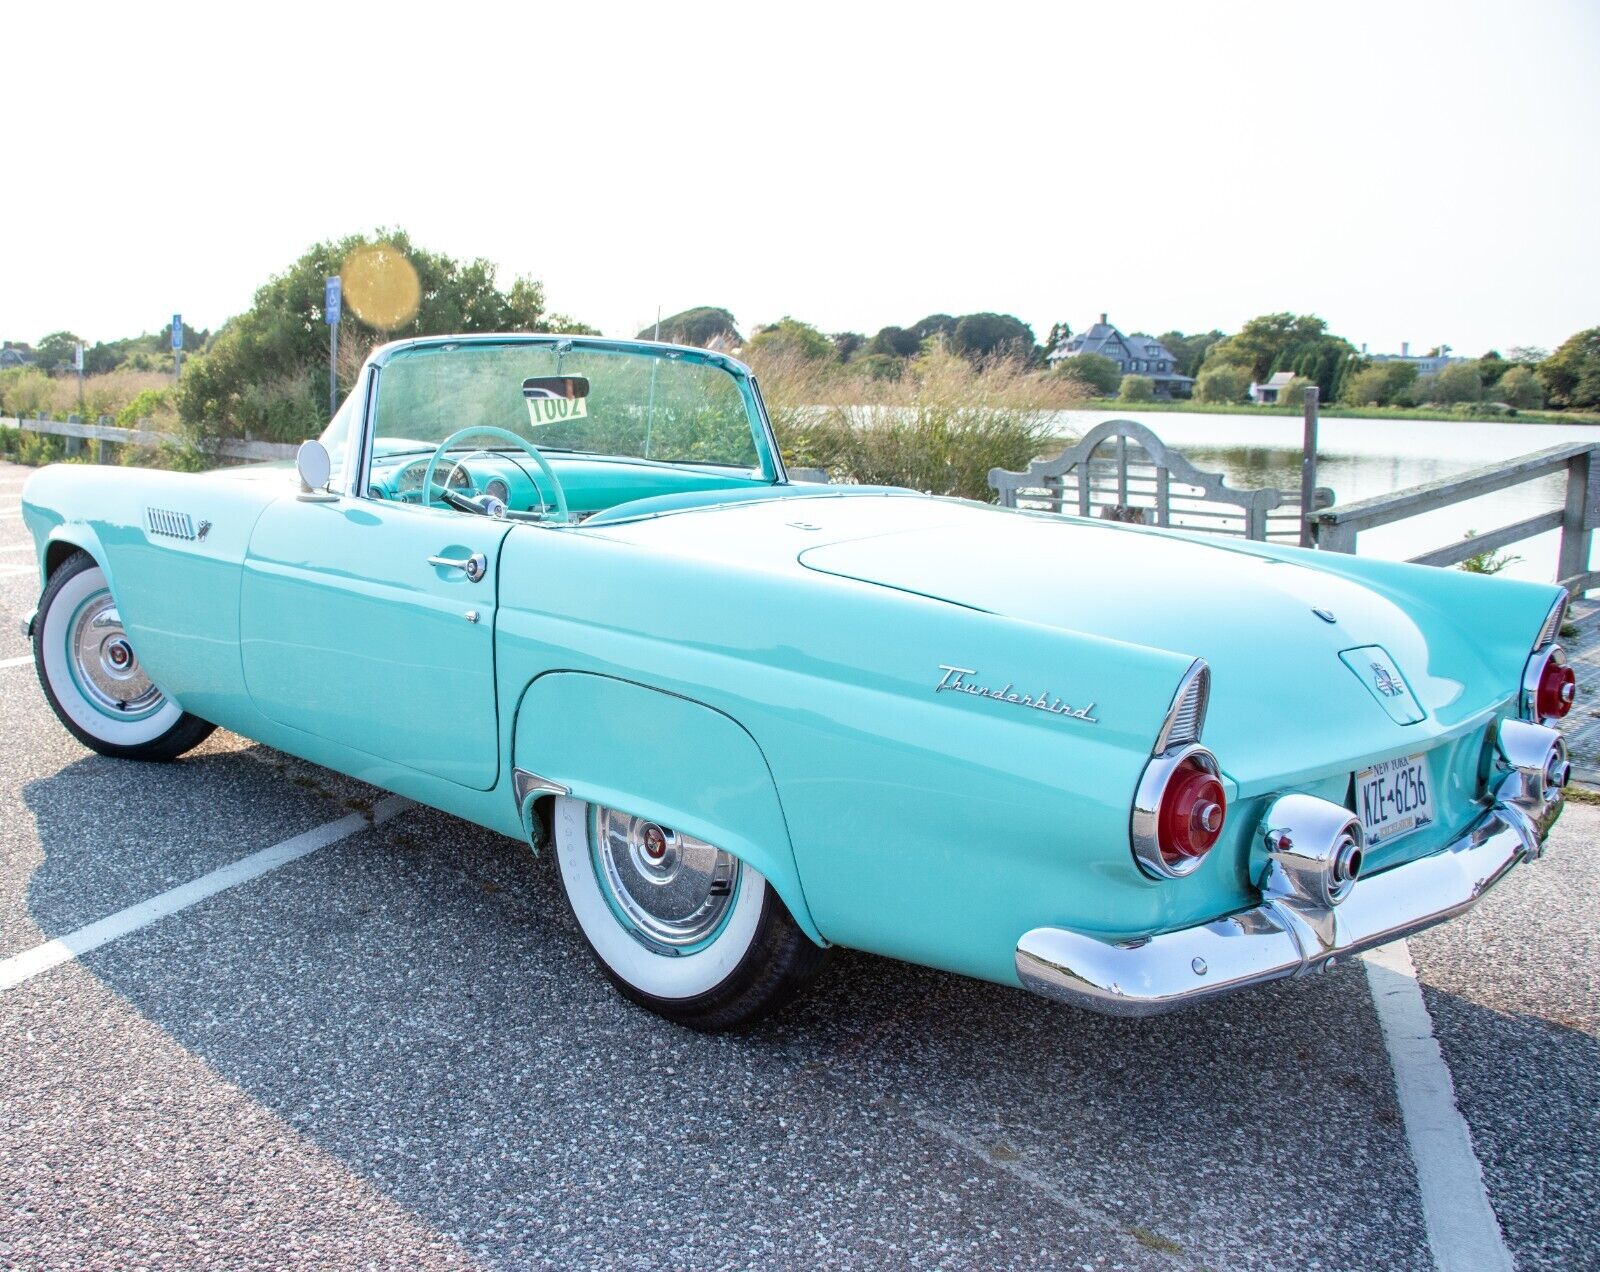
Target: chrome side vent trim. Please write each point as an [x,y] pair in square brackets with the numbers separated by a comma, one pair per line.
[1552,624]
[174,525]
[1186,718]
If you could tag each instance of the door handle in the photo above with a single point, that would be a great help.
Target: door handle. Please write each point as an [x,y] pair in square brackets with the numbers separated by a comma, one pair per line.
[474,566]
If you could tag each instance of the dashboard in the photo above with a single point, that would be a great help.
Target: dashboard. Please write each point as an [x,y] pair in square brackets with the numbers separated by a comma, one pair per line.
[591,482]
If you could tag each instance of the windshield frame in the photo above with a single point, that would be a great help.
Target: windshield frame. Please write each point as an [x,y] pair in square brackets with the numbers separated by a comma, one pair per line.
[356,477]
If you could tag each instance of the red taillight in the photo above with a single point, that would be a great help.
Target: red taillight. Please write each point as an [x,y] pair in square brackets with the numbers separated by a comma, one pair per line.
[1557,687]
[1193,808]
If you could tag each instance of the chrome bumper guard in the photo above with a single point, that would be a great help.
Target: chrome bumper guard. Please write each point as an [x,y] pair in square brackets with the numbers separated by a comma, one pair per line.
[1295,930]
[27,623]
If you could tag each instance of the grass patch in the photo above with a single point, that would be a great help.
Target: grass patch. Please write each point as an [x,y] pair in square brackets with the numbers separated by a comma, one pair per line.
[1154,1240]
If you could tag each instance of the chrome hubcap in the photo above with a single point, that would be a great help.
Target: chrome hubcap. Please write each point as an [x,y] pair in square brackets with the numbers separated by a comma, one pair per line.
[673,890]
[105,666]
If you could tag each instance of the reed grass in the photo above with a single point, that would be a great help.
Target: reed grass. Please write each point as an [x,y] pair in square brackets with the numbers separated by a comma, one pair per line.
[939,426]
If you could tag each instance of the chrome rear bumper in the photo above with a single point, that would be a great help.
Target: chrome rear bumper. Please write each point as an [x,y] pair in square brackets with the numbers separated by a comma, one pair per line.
[1289,934]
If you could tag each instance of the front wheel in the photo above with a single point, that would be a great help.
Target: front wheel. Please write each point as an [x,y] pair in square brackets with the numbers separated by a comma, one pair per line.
[93,679]
[678,925]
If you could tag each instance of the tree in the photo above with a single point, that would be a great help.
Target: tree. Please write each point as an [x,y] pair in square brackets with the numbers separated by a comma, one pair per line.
[1323,361]
[701,326]
[1491,367]
[846,343]
[1189,352]
[791,336]
[934,325]
[1520,387]
[988,335]
[1458,382]
[1380,384]
[266,370]
[1096,372]
[1137,388]
[1223,382]
[1267,340]
[56,352]
[1060,333]
[895,342]
[1528,355]
[1571,374]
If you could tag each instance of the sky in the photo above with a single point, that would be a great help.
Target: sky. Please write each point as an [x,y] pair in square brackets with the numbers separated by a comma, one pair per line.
[1421,172]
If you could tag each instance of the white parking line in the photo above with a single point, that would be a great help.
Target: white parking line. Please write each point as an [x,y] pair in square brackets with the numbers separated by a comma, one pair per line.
[17,547]
[8,571]
[15,662]
[1463,1232]
[41,958]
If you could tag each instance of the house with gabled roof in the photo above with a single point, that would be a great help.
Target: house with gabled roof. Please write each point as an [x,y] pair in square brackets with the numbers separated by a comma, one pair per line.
[1137,354]
[15,355]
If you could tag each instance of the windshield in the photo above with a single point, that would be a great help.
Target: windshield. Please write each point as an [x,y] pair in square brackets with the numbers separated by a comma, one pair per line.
[667,406]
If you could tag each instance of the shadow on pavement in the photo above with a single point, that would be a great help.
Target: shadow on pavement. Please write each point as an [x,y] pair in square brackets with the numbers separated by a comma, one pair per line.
[417,1001]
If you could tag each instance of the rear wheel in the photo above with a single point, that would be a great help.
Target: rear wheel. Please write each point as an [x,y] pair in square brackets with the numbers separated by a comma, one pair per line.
[678,925]
[92,677]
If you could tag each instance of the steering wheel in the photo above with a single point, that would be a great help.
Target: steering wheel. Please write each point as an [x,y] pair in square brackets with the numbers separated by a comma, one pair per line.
[486,430]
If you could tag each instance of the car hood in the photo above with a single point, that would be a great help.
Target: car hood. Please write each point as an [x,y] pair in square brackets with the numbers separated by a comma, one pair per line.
[1295,650]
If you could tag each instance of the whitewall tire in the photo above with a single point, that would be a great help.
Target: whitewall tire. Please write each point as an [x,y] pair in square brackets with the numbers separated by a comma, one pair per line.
[92,676]
[679,926]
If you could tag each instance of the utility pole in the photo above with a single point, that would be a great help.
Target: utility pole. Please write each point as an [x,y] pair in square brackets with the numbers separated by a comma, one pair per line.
[332,306]
[177,347]
[78,359]
[1308,467]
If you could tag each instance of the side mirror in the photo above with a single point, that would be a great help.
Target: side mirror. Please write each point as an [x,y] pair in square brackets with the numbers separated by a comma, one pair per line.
[311,461]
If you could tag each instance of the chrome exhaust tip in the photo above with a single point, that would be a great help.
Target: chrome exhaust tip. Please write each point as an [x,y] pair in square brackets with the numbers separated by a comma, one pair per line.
[1315,850]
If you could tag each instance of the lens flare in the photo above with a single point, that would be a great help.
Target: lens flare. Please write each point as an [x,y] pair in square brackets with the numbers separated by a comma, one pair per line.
[381,286]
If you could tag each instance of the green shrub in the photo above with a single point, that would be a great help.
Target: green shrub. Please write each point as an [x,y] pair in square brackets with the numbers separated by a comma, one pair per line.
[1294,393]
[1137,388]
[1224,382]
[39,449]
[1486,562]
[26,391]
[1381,384]
[1098,374]
[1520,387]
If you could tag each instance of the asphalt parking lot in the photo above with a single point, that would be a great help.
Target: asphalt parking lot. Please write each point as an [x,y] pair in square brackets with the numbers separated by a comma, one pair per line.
[393,1051]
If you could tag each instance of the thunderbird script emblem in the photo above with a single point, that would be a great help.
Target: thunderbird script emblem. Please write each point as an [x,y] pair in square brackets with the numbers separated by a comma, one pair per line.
[955,681]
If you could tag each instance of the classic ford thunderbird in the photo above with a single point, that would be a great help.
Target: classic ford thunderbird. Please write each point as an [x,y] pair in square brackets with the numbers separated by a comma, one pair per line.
[563,588]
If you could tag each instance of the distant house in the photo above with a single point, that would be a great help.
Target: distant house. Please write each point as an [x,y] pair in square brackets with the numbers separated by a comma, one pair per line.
[1267,394]
[15,355]
[1426,364]
[1137,354]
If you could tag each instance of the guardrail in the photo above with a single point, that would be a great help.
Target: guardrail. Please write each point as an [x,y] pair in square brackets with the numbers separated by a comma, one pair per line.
[1335,529]
[103,431]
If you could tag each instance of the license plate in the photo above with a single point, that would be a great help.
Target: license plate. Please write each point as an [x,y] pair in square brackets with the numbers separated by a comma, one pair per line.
[1394,799]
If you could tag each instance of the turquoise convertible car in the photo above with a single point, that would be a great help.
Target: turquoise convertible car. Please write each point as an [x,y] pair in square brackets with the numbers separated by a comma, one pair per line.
[563,588]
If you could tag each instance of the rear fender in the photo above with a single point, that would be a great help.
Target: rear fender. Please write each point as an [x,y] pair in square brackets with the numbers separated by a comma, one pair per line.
[661,756]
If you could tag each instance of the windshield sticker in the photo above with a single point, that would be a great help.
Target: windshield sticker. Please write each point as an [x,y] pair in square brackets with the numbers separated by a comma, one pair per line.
[556,410]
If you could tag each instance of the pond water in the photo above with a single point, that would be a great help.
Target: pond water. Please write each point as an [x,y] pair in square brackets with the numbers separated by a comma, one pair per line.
[1363,458]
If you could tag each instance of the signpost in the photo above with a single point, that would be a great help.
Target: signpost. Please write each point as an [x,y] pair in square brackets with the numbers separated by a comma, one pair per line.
[177,346]
[77,358]
[332,305]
